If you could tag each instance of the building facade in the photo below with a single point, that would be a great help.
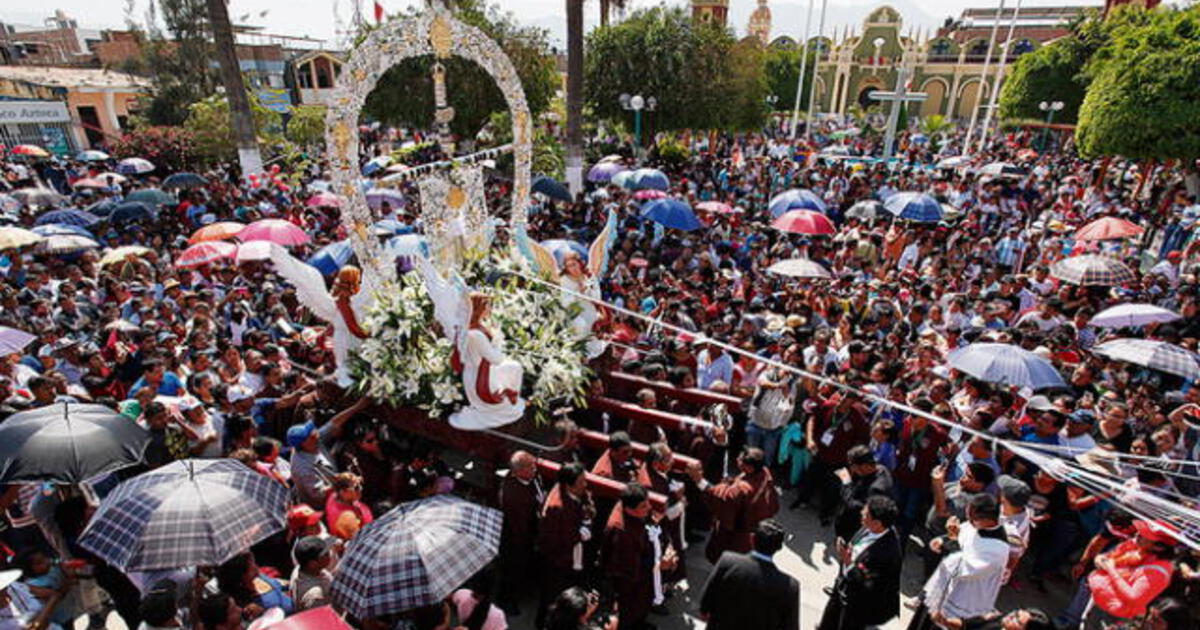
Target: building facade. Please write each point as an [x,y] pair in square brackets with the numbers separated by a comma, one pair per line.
[715,11]
[65,109]
[759,25]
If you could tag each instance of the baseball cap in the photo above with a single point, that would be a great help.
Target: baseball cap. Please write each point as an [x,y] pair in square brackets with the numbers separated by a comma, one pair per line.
[1082,416]
[296,435]
[1040,403]
[1016,491]
[303,516]
[1158,531]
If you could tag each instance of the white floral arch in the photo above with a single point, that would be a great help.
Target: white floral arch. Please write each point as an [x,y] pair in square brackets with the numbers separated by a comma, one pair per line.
[434,32]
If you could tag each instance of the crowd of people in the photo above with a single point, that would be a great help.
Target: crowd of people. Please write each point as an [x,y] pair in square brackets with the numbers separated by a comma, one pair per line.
[848,407]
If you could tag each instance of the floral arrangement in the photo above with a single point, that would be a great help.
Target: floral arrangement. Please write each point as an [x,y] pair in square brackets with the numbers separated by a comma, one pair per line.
[406,360]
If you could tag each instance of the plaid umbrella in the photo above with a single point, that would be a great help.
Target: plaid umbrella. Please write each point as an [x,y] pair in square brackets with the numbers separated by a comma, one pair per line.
[1092,270]
[415,555]
[190,513]
[1156,355]
[1005,363]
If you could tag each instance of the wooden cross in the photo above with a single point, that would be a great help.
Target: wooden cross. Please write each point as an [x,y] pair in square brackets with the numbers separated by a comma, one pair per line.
[897,97]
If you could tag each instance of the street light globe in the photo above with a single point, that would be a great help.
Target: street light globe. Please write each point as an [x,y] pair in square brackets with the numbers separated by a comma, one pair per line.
[879,42]
[1057,106]
[1044,106]
[623,99]
[637,102]
[651,103]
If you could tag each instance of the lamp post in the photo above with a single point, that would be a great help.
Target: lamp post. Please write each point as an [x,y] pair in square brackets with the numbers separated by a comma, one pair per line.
[637,103]
[1049,107]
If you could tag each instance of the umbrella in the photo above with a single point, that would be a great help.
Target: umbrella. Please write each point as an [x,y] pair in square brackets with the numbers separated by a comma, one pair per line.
[849,132]
[414,556]
[914,206]
[122,325]
[1129,315]
[1156,355]
[718,207]
[14,237]
[119,254]
[276,231]
[561,247]
[109,176]
[1005,363]
[865,210]
[152,196]
[1002,169]
[60,229]
[649,195]
[622,179]
[219,231]
[134,166]
[9,203]
[29,150]
[918,138]
[254,250]
[796,199]
[373,166]
[644,178]
[1108,229]
[551,188]
[612,157]
[38,197]
[13,340]
[80,218]
[604,171]
[184,180]
[320,618]
[799,268]
[956,161]
[320,185]
[377,196]
[66,244]
[390,227]
[407,245]
[671,213]
[68,442]
[1091,270]
[325,199]
[189,513]
[1026,155]
[330,258]
[804,222]
[89,182]
[131,211]
[103,208]
[91,155]
[204,253]
[836,149]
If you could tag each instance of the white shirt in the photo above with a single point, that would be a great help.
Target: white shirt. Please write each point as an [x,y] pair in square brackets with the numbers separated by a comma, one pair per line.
[967,582]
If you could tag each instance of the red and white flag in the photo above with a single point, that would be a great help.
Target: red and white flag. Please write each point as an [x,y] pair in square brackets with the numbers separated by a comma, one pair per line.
[378,12]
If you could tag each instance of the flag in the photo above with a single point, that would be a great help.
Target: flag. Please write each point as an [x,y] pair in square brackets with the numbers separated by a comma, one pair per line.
[378,12]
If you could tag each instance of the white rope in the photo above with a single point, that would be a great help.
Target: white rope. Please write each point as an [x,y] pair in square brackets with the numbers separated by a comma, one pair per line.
[1062,469]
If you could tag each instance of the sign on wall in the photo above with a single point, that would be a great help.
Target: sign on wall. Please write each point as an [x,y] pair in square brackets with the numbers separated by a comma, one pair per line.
[23,112]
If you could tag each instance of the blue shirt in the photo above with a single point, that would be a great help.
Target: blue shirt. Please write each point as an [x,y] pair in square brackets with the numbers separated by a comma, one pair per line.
[170,386]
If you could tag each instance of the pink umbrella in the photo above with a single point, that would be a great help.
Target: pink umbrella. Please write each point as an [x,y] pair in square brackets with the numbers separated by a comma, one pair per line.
[1108,229]
[649,193]
[276,231]
[254,250]
[89,182]
[325,199]
[804,222]
[206,252]
[718,207]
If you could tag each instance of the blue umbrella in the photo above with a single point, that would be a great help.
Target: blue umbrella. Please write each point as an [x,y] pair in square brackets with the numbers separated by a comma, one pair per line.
[551,188]
[671,213]
[918,138]
[407,245]
[560,247]
[648,179]
[151,196]
[914,207]
[377,196]
[61,229]
[81,218]
[184,180]
[796,199]
[390,227]
[621,179]
[605,171]
[332,257]
[103,208]
[131,211]
[1006,364]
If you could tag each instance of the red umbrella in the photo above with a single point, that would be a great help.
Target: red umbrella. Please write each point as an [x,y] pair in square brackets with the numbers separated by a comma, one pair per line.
[206,252]
[276,231]
[804,222]
[322,618]
[29,149]
[325,199]
[218,231]
[1108,229]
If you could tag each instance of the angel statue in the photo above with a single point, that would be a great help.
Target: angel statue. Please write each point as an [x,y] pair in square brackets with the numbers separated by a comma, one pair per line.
[492,380]
[341,306]
[576,276]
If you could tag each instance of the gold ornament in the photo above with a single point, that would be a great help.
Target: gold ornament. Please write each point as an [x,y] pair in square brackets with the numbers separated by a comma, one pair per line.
[441,36]
[455,198]
[360,75]
[341,141]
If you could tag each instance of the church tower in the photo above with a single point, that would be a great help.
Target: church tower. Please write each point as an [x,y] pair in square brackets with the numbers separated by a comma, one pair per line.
[715,11]
[760,23]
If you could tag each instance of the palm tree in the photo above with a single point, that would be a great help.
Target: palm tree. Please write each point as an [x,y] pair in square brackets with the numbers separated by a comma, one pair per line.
[575,95]
[235,90]
[937,128]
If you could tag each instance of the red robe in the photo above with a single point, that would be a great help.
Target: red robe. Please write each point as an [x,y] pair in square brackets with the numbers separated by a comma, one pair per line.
[737,506]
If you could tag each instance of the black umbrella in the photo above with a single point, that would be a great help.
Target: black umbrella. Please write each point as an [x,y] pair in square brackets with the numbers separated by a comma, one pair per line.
[551,188]
[68,443]
[131,211]
[184,180]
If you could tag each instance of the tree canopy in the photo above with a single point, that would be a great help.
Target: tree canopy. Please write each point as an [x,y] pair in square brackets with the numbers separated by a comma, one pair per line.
[701,76]
[782,67]
[1145,86]
[178,61]
[404,94]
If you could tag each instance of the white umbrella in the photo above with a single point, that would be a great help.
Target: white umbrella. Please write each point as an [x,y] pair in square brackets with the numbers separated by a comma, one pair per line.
[799,268]
[66,244]
[955,162]
[1129,315]
[254,250]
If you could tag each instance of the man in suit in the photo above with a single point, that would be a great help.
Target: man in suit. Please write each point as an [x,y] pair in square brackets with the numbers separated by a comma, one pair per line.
[739,504]
[564,527]
[521,498]
[867,590]
[627,558]
[861,479]
[748,592]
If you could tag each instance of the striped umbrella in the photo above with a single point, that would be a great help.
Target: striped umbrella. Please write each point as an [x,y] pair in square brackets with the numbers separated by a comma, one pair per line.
[1156,355]
[1092,270]
[59,229]
[796,199]
[804,222]
[914,206]
[205,253]
[134,166]
[81,218]
[1006,364]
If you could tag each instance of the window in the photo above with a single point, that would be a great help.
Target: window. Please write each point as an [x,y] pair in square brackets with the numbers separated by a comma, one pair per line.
[941,48]
[304,75]
[979,48]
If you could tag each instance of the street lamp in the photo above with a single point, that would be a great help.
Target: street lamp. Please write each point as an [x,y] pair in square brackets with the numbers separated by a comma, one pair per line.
[1049,107]
[637,103]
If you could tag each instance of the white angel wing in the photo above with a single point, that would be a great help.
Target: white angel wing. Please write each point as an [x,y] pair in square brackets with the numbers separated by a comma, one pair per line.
[598,252]
[450,302]
[310,285]
[542,260]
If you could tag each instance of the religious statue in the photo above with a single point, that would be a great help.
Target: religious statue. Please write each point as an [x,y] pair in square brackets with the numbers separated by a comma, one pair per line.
[492,380]
[578,277]
[342,306]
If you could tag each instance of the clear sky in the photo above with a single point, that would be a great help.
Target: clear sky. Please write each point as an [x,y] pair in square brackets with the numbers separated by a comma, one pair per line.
[319,18]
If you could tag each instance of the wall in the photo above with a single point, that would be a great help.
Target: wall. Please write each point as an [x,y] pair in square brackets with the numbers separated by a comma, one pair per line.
[109,106]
